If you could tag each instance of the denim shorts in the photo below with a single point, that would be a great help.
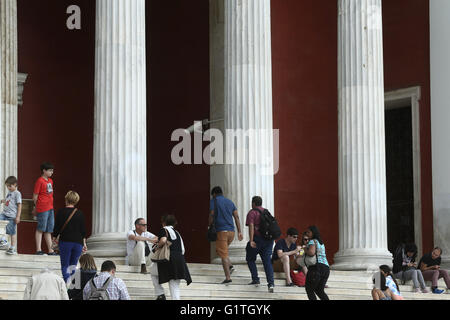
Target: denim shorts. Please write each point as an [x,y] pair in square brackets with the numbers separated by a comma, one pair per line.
[46,221]
[11,227]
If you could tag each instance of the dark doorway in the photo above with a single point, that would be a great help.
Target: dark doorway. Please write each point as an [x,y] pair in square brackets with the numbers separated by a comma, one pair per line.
[399,176]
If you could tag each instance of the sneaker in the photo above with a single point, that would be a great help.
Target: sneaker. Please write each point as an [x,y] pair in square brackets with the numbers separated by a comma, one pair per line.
[11,252]
[290,285]
[425,291]
[226,282]
[416,290]
[232,269]
[437,291]
[255,283]
[271,289]
[161,297]
[52,254]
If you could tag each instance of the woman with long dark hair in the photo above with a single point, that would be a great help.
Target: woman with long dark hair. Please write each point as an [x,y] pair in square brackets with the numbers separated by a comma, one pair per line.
[318,268]
[405,267]
[391,283]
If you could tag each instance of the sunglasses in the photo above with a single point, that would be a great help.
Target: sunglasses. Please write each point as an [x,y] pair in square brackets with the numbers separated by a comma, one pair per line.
[143,225]
[305,239]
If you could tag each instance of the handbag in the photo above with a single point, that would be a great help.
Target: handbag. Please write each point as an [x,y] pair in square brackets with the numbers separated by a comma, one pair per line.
[55,245]
[298,278]
[212,232]
[162,254]
[311,261]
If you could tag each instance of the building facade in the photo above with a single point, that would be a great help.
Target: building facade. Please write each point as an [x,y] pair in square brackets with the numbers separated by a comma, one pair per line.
[356,88]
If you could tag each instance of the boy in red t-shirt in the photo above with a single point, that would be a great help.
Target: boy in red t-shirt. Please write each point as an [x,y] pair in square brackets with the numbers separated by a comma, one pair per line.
[43,209]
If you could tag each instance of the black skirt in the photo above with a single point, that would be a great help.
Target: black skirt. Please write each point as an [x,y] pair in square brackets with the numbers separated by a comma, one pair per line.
[176,268]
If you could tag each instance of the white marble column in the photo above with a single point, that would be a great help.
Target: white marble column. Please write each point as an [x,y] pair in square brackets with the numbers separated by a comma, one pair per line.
[9,96]
[362,160]
[440,129]
[247,106]
[120,155]
[1,90]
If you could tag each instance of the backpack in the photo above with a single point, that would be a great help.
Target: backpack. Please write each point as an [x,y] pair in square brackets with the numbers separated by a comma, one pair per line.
[268,226]
[99,293]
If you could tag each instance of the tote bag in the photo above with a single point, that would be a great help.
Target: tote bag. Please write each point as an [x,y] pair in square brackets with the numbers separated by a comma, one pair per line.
[162,254]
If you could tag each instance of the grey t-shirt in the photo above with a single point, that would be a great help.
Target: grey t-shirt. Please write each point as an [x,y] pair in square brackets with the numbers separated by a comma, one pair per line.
[13,199]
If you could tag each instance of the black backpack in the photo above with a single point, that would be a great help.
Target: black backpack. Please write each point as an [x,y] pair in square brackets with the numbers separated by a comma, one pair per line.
[268,226]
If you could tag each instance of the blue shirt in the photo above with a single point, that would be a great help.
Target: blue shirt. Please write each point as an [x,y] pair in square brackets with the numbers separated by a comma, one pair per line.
[391,285]
[225,209]
[320,250]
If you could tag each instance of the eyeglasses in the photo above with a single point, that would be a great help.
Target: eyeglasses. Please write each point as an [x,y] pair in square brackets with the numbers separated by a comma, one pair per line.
[143,225]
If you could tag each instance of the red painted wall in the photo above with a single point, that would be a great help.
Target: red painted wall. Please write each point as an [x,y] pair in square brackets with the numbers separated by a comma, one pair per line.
[304,49]
[178,94]
[407,64]
[56,120]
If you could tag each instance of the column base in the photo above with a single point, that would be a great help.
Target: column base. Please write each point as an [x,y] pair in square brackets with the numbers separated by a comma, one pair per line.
[361,259]
[108,245]
[445,263]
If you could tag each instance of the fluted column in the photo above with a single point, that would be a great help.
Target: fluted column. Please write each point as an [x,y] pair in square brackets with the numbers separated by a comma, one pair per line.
[362,160]
[9,96]
[120,156]
[440,129]
[248,106]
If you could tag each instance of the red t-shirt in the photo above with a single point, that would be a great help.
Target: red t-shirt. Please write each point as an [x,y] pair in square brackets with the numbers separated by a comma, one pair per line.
[254,217]
[44,190]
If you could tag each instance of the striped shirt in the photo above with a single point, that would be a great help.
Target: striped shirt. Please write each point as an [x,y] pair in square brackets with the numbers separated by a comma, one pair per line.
[320,249]
[117,290]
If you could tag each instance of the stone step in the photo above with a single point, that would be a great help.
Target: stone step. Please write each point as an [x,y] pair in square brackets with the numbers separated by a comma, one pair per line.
[195,269]
[202,283]
[207,290]
[55,260]
[215,277]
[16,270]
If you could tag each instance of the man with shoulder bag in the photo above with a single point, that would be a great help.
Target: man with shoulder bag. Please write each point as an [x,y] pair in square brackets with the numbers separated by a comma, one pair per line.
[223,215]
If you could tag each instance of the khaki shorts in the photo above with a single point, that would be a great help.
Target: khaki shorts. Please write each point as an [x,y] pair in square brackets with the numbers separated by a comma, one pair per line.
[224,239]
[278,265]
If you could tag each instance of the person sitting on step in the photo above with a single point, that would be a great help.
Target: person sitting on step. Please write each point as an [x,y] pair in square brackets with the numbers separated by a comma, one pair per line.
[430,265]
[138,249]
[284,254]
[380,290]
